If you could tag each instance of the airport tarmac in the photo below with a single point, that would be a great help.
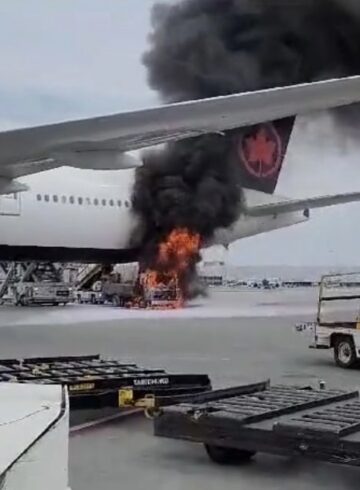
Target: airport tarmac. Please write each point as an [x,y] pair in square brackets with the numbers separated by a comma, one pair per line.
[219,304]
[255,341]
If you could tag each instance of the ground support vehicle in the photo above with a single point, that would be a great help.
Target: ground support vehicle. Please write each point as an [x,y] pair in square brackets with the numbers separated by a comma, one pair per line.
[89,297]
[235,423]
[137,295]
[118,293]
[337,325]
[96,382]
[30,293]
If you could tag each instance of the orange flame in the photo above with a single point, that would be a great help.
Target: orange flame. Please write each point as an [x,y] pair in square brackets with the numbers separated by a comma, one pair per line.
[178,249]
[174,257]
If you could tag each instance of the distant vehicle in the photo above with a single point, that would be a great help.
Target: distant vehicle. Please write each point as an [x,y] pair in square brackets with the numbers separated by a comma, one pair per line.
[274,283]
[92,297]
[252,283]
[31,293]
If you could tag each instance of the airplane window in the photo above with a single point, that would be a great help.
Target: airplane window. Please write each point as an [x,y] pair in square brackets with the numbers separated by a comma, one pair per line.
[55,198]
[119,203]
[38,197]
[88,201]
[47,198]
[63,199]
[127,204]
[71,200]
[96,202]
[103,202]
[111,202]
[80,200]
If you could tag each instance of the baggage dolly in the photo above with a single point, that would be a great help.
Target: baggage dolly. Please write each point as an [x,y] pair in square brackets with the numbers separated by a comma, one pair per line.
[96,382]
[236,423]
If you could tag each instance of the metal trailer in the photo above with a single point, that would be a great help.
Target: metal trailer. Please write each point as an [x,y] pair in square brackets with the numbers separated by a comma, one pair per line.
[96,382]
[233,424]
[337,324]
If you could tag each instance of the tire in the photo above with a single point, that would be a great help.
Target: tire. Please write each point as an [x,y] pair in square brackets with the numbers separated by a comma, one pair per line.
[22,301]
[344,352]
[152,413]
[115,300]
[228,455]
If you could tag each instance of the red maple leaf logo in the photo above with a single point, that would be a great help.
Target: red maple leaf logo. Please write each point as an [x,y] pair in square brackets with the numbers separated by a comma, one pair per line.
[260,148]
[260,152]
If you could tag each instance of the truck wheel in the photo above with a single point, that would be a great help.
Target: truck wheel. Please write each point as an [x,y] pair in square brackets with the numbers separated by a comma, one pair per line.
[228,455]
[152,413]
[115,300]
[344,351]
[21,301]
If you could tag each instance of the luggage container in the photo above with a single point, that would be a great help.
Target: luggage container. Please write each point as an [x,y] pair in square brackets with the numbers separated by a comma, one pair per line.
[95,382]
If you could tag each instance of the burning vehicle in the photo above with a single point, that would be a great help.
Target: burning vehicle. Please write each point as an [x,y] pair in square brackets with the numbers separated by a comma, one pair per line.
[164,283]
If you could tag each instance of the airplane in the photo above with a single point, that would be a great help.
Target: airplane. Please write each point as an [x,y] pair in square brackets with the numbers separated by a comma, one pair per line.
[73,205]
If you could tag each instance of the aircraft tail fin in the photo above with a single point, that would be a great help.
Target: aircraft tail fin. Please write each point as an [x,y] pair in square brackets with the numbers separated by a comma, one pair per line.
[261,150]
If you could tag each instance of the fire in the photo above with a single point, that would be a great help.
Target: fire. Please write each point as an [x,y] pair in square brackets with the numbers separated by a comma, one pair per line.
[178,249]
[175,255]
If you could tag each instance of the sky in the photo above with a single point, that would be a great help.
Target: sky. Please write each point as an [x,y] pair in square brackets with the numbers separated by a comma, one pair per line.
[71,59]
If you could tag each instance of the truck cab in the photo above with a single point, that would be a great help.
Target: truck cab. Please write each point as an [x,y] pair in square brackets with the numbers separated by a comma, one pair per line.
[162,297]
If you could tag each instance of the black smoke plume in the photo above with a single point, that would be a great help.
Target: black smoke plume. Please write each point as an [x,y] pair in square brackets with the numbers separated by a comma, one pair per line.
[206,48]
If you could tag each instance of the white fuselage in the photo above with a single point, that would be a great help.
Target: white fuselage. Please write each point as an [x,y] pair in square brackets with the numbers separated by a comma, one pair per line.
[85,215]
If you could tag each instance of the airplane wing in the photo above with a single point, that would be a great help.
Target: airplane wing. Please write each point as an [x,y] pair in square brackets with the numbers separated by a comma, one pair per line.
[290,205]
[101,142]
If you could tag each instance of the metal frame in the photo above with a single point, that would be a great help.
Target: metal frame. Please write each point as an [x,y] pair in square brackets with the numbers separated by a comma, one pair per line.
[285,420]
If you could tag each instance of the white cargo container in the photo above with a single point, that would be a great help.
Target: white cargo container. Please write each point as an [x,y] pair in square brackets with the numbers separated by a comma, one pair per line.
[337,325]
[34,437]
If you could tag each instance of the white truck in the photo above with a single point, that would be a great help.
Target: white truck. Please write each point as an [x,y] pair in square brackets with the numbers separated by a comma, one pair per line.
[337,325]
[30,293]
[137,293]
